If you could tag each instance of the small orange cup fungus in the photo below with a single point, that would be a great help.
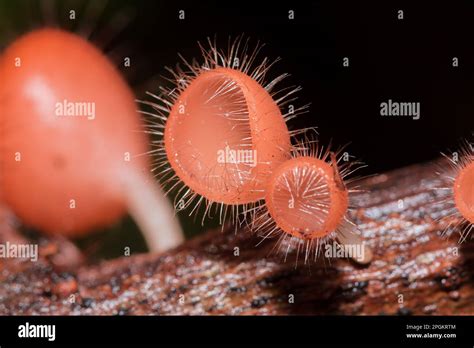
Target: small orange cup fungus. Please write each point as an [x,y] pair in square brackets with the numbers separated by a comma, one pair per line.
[463,189]
[307,198]
[306,204]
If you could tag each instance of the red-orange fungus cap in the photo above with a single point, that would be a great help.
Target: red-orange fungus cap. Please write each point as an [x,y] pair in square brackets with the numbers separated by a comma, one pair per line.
[225,135]
[464,192]
[68,124]
[306,197]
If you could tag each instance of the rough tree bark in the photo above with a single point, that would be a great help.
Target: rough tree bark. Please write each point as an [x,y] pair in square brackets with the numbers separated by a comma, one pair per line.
[415,269]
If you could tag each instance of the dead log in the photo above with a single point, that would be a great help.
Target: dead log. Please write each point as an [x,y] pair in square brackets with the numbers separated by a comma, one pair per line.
[415,269]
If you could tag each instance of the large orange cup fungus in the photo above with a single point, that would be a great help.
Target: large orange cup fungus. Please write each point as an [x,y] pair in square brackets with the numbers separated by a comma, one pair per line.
[70,140]
[225,135]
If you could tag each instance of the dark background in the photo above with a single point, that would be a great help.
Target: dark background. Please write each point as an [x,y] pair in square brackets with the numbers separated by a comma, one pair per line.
[407,60]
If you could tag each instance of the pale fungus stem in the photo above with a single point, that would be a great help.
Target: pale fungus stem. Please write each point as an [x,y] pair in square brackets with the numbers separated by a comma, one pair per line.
[152,212]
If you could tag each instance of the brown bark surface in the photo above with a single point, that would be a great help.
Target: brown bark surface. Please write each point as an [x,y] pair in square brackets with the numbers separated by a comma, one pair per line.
[415,270]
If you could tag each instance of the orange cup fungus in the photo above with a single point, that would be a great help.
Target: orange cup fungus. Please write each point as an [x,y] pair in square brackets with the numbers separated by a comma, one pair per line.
[463,189]
[225,135]
[224,129]
[307,198]
[307,203]
[70,136]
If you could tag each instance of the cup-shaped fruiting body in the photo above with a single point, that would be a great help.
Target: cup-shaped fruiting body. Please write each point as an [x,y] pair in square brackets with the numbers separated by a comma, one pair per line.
[70,135]
[306,204]
[224,135]
[460,185]
[224,130]
[463,189]
[307,198]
